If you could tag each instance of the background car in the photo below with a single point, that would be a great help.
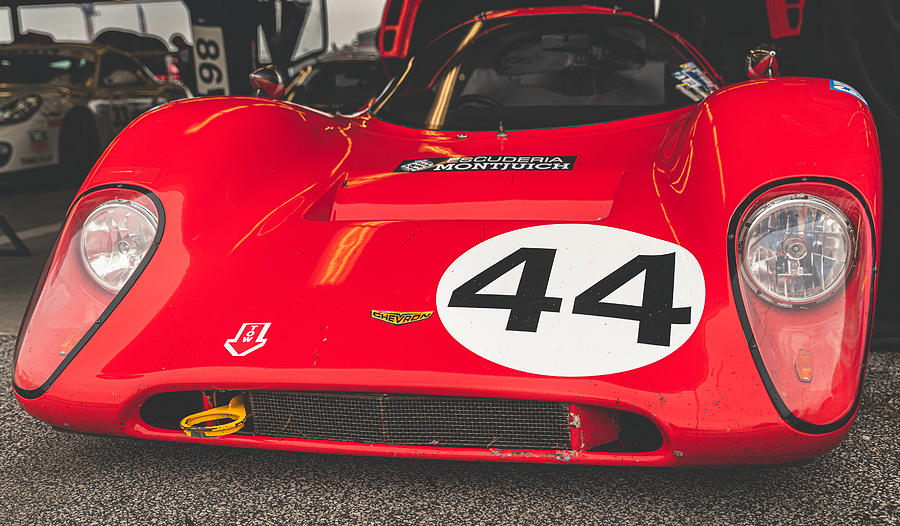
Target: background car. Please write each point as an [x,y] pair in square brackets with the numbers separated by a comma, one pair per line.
[150,51]
[339,82]
[62,103]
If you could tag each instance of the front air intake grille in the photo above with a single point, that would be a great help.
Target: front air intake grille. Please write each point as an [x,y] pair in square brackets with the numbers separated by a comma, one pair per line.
[411,420]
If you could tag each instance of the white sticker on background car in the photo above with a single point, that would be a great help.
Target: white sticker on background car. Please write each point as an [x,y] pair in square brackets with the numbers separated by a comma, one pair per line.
[38,140]
[572,299]
[249,338]
[211,67]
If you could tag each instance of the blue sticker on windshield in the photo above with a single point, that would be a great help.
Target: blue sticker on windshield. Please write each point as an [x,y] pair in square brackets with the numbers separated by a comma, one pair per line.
[846,88]
[693,82]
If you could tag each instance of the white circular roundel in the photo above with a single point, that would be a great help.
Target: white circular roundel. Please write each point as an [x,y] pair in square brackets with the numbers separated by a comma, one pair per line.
[572,299]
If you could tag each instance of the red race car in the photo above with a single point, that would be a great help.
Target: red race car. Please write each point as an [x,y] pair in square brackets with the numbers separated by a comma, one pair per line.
[555,238]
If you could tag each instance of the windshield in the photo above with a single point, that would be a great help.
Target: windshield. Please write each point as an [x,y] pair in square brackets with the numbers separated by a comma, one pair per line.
[45,66]
[543,71]
[343,86]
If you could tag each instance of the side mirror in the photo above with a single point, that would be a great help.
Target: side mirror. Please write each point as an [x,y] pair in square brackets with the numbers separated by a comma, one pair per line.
[762,62]
[268,81]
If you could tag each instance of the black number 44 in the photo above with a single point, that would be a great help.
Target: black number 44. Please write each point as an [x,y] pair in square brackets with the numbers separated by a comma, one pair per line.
[655,315]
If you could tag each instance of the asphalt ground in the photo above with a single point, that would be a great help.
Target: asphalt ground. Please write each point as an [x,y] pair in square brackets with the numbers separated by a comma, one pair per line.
[54,477]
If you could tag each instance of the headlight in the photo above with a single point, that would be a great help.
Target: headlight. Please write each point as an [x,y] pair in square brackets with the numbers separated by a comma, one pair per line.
[807,243]
[796,250]
[20,109]
[110,235]
[114,240]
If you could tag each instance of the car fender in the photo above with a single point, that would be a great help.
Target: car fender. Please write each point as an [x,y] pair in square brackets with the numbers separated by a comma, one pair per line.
[240,155]
[757,134]
[749,138]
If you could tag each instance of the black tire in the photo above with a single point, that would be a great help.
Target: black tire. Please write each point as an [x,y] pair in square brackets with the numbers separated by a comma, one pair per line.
[79,145]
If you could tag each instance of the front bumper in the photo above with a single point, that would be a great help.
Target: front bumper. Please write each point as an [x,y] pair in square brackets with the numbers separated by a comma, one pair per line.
[729,424]
[706,399]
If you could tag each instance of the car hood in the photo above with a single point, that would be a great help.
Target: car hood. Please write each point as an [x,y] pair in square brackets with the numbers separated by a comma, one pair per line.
[521,175]
[314,278]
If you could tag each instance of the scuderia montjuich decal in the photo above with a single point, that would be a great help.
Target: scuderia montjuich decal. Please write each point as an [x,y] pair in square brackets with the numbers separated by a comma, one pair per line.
[490,163]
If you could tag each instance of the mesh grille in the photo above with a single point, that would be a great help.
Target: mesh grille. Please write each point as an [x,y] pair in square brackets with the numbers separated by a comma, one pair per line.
[411,420]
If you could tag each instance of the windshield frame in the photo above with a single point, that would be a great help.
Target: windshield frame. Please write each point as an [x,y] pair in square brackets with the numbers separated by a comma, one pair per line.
[687,52]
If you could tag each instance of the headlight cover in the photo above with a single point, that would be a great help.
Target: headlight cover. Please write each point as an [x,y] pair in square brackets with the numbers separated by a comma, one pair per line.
[20,109]
[110,235]
[810,357]
[796,250]
[114,240]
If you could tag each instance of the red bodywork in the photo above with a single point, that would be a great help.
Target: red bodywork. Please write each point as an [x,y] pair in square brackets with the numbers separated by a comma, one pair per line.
[277,213]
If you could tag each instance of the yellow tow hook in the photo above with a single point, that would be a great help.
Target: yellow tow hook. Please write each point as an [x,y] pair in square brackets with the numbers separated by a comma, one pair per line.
[192,425]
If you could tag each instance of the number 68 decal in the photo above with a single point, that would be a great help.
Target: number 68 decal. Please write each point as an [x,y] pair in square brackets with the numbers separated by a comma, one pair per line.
[572,299]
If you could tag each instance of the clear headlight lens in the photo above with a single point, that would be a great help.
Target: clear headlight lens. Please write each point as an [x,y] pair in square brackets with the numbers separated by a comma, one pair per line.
[109,234]
[20,109]
[796,249]
[114,240]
